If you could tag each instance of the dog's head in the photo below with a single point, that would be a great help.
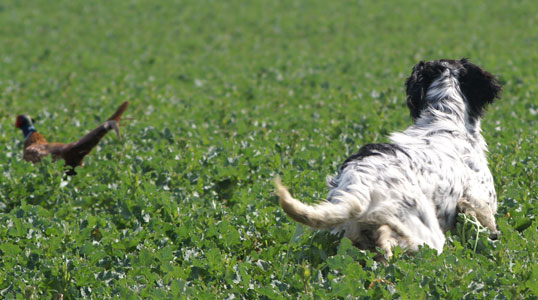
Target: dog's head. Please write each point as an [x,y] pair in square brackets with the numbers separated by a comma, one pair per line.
[479,87]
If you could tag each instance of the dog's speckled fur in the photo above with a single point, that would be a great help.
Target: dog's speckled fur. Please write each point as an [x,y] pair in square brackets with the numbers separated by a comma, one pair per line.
[408,192]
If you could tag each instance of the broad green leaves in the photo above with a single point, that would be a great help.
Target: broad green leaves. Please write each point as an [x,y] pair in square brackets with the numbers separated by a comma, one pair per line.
[224,96]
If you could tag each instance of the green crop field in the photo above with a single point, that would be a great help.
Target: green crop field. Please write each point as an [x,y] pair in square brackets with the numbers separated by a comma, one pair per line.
[224,96]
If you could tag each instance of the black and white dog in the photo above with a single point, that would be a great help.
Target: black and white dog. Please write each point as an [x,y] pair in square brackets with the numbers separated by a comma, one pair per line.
[408,192]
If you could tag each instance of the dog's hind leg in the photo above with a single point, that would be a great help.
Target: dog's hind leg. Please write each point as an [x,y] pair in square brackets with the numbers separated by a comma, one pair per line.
[410,219]
[323,215]
[392,232]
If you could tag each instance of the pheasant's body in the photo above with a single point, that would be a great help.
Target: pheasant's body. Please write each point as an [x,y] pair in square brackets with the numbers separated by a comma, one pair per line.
[36,146]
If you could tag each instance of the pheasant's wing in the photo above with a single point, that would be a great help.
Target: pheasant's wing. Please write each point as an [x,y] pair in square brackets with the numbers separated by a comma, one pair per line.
[35,152]
[75,152]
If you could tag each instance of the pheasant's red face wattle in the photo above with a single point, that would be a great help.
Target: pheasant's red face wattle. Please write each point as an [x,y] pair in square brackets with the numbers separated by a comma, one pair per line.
[18,122]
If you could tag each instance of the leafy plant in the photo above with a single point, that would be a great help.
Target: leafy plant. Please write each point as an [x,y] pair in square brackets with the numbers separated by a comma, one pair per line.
[224,96]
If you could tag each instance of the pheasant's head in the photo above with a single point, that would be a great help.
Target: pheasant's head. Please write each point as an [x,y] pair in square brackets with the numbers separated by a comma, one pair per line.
[25,124]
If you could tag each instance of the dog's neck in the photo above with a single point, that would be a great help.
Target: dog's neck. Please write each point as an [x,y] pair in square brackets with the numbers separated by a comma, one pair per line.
[447,108]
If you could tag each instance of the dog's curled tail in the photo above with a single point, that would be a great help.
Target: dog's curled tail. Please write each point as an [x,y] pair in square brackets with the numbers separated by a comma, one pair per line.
[322,215]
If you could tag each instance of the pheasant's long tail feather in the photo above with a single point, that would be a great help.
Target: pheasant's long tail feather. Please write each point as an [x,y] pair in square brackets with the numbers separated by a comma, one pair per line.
[75,152]
[117,115]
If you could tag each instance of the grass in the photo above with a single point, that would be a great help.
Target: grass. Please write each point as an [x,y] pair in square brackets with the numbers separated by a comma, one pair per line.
[224,96]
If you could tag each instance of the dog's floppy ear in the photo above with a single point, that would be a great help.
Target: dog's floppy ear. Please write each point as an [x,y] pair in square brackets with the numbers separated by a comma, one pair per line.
[416,91]
[479,87]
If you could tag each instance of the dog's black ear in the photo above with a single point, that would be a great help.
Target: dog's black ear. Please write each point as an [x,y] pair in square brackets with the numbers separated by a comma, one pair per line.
[479,87]
[416,89]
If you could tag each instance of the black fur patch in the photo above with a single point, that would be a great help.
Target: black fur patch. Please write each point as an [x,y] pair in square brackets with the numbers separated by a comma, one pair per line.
[423,74]
[373,149]
[479,87]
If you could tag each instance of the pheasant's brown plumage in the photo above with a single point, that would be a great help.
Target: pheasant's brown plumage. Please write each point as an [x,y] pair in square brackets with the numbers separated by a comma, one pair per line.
[36,146]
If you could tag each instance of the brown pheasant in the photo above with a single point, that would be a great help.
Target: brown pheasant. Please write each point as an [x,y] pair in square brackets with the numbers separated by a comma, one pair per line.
[36,146]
